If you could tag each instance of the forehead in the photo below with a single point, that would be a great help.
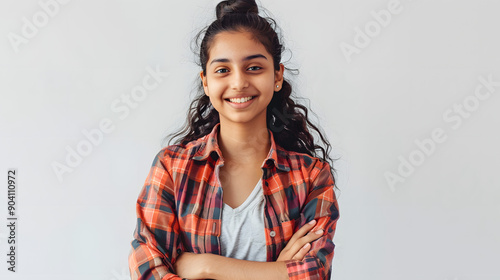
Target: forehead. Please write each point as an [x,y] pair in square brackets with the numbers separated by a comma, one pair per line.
[235,45]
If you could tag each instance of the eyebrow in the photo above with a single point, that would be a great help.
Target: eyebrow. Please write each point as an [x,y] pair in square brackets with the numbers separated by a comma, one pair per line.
[250,57]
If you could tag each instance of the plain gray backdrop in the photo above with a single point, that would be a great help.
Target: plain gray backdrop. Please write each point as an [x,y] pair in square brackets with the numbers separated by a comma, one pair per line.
[407,91]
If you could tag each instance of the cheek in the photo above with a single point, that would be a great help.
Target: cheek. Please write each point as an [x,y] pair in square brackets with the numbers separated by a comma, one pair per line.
[269,82]
[214,88]
[268,85]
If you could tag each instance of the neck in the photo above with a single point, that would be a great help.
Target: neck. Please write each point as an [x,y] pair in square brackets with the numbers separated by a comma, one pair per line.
[244,143]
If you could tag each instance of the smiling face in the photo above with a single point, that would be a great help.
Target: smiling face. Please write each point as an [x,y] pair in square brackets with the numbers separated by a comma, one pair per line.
[240,78]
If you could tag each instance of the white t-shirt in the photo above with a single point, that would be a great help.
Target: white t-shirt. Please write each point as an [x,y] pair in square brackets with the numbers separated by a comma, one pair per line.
[243,235]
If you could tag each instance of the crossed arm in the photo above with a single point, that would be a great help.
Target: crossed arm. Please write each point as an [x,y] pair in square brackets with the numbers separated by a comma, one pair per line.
[210,266]
[154,256]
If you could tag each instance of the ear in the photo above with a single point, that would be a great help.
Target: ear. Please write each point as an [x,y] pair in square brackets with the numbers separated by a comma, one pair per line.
[278,78]
[204,82]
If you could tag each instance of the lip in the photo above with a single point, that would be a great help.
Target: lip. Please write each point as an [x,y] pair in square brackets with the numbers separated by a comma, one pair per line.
[241,105]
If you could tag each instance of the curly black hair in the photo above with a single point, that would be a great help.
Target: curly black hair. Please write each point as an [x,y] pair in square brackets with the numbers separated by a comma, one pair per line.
[287,119]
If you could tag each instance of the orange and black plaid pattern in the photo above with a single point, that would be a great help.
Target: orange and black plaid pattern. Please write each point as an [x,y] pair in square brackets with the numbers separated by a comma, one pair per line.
[179,208]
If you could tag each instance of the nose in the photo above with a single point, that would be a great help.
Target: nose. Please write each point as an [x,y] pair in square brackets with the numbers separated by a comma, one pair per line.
[239,80]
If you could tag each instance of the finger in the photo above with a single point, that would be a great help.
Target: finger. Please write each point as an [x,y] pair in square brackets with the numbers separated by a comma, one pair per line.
[302,252]
[312,236]
[302,231]
[315,233]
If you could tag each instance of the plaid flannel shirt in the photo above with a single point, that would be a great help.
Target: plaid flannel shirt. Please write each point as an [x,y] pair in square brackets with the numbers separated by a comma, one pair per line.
[179,208]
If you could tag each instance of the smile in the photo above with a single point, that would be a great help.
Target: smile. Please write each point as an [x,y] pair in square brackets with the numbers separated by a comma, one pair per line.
[241,100]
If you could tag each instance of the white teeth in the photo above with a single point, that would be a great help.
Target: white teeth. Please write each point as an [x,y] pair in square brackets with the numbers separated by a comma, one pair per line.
[240,100]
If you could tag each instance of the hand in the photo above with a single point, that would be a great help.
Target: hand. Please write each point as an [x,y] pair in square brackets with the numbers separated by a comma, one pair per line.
[299,245]
[189,265]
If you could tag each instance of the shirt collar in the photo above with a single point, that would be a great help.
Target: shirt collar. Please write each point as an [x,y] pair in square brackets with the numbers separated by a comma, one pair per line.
[276,155]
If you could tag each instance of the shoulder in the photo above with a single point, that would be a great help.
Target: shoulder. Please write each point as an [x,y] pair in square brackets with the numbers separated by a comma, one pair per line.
[181,152]
[298,161]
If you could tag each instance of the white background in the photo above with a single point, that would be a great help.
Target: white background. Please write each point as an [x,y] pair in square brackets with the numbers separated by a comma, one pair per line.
[441,223]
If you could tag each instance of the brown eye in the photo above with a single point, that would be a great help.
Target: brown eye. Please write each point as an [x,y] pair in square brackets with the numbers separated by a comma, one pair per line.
[255,68]
[222,71]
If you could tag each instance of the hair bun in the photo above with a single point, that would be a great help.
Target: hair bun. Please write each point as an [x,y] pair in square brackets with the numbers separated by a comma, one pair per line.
[236,6]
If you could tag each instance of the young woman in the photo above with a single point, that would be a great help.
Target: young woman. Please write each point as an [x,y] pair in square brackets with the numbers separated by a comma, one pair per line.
[242,195]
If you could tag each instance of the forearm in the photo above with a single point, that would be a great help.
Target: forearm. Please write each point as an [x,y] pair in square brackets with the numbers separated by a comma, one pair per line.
[221,268]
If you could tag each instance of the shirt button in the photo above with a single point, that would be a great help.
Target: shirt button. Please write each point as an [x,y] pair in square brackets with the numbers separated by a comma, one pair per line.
[272,233]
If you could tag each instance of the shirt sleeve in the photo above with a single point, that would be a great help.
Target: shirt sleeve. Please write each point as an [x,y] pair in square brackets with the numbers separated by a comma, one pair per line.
[321,205]
[157,230]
